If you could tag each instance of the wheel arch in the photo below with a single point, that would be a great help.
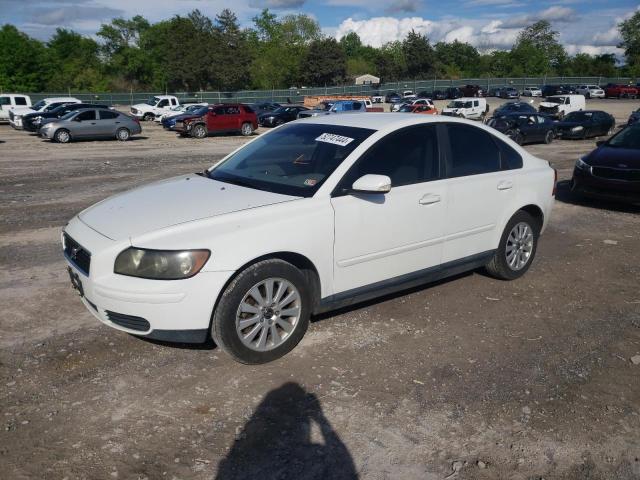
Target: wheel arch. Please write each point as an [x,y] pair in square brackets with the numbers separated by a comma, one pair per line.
[535,211]
[55,134]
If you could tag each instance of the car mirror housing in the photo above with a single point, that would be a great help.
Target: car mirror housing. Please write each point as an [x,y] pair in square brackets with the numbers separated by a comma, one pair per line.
[371,183]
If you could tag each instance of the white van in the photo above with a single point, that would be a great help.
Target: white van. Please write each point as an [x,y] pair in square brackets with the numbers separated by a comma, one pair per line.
[472,108]
[560,105]
[12,100]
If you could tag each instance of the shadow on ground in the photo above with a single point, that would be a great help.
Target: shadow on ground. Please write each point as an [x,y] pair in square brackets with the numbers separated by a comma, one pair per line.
[565,195]
[288,437]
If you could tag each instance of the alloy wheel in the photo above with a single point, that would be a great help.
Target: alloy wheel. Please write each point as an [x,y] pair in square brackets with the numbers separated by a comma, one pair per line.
[268,314]
[519,246]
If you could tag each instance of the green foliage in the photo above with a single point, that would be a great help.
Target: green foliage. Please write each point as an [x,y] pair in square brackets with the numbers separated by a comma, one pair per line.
[457,58]
[630,33]
[24,62]
[537,51]
[324,63]
[419,55]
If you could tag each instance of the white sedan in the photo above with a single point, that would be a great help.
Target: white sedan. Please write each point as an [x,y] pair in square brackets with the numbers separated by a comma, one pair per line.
[590,91]
[531,92]
[314,215]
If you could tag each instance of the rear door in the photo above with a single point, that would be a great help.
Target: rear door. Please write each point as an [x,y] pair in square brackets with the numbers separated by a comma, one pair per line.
[85,124]
[381,236]
[233,119]
[107,123]
[479,192]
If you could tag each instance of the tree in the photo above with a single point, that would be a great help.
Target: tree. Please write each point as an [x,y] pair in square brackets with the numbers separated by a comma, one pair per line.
[537,50]
[76,62]
[24,62]
[630,33]
[420,57]
[457,58]
[324,63]
[390,62]
[351,44]
[233,58]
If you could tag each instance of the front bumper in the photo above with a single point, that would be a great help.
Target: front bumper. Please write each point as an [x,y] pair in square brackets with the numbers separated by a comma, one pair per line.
[16,122]
[178,310]
[585,183]
[568,134]
[46,133]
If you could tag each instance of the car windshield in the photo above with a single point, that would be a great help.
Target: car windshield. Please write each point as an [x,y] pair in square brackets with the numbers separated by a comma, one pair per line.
[558,100]
[152,101]
[201,110]
[293,160]
[68,115]
[578,116]
[39,105]
[626,138]
[324,106]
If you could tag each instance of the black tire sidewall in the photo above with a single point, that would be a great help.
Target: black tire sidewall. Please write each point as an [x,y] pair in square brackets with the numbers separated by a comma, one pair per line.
[505,269]
[147,117]
[223,328]
[548,138]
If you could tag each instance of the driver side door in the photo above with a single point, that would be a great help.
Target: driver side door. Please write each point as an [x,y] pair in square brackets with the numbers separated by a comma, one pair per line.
[381,236]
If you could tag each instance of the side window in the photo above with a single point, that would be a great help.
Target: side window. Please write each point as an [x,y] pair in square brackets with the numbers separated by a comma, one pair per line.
[509,158]
[219,110]
[357,105]
[174,101]
[541,120]
[163,103]
[407,157]
[108,115]
[473,151]
[86,115]
[20,100]
[476,103]
[233,110]
[5,101]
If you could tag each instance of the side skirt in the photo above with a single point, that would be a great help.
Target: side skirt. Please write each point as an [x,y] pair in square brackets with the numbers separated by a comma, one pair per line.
[403,282]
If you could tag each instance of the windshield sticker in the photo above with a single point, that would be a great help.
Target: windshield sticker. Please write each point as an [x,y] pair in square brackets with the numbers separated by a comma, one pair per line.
[334,139]
[310,182]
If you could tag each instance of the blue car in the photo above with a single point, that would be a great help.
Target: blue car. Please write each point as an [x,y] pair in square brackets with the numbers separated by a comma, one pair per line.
[170,122]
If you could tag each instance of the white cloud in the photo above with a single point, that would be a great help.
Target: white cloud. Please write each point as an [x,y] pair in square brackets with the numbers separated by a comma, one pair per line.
[552,14]
[380,30]
[593,50]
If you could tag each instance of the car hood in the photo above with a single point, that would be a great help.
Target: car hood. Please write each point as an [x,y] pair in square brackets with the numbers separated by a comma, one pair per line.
[549,104]
[172,202]
[142,106]
[614,157]
[22,110]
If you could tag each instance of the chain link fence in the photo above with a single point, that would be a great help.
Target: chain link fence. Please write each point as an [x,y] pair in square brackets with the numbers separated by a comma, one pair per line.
[294,95]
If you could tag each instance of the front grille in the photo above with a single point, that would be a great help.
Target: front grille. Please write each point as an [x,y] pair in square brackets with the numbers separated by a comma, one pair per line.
[628,175]
[128,321]
[77,255]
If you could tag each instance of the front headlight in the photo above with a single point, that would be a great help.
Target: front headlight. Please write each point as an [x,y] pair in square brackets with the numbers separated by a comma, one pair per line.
[159,264]
[577,129]
[582,165]
[37,120]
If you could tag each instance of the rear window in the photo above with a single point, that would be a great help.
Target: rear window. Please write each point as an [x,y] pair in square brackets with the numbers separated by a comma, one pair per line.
[5,101]
[248,109]
[108,115]
[20,100]
[473,151]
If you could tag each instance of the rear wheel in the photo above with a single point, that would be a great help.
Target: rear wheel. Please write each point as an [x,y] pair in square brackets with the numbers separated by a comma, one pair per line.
[246,129]
[548,138]
[62,136]
[517,247]
[123,134]
[147,117]
[199,131]
[263,313]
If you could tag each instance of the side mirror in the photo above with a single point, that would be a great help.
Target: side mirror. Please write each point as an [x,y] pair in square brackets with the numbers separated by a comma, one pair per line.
[599,143]
[77,119]
[371,183]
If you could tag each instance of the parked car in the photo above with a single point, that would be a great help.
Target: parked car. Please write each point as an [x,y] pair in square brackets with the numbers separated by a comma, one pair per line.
[377,98]
[418,101]
[349,227]
[169,122]
[408,94]
[221,118]
[570,89]
[560,105]
[12,100]
[91,123]
[453,93]
[472,91]
[494,91]
[612,170]
[634,117]
[156,105]
[425,94]
[514,107]
[509,92]
[44,105]
[264,107]
[590,91]
[531,92]
[33,121]
[337,107]
[613,90]
[392,97]
[419,108]
[470,108]
[524,127]
[585,124]
[280,115]
[439,95]
[550,90]
[179,110]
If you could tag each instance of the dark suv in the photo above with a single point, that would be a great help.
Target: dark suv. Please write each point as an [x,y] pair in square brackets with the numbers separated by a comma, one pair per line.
[221,118]
[472,91]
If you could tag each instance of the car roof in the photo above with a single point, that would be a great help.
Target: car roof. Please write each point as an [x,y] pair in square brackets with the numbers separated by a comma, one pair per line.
[379,120]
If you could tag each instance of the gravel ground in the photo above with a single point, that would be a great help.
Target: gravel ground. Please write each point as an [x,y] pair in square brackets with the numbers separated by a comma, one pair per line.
[470,378]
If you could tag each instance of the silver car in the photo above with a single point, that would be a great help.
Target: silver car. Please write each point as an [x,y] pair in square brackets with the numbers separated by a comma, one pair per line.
[90,123]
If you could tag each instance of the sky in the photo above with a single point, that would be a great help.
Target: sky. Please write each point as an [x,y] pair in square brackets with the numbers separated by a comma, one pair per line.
[585,26]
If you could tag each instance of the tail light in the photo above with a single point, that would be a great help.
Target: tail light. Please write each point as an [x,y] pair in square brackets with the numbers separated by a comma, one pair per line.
[555,182]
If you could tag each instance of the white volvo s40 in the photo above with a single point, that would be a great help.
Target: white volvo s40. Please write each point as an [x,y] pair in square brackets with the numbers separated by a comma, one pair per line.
[314,215]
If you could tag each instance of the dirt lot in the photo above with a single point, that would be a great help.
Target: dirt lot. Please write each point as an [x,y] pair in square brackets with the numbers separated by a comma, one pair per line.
[468,378]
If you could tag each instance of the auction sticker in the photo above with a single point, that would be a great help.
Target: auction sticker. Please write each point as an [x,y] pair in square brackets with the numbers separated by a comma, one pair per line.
[334,139]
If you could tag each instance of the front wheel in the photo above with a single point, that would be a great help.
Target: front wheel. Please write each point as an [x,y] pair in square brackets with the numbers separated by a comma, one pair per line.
[548,138]
[517,247]
[263,313]
[62,136]
[199,131]
[123,134]
[147,117]
[246,129]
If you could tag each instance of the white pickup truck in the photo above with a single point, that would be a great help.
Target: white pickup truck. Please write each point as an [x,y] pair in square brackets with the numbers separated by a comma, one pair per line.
[9,101]
[44,105]
[154,106]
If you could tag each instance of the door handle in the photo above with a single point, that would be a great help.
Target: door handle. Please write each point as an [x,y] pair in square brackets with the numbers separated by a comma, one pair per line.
[505,185]
[93,123]
[429,199]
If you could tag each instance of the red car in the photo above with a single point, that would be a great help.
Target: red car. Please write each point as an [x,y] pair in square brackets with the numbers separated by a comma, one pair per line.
[221,118]
[620,91]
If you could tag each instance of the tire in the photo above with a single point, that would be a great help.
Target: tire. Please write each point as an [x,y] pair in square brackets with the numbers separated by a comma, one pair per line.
[610,131]
[548,138]
[62,136]
[246,130]
[515,136]
[123,134]
[199,131]
[560,116]
[255,343]
[499,267]
[147,117]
